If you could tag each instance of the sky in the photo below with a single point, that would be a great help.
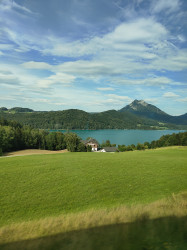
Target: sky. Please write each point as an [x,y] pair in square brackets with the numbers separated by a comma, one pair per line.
[93,55]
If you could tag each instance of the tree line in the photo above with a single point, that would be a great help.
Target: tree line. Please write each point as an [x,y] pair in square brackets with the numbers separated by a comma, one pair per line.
[14,136]
[179,139]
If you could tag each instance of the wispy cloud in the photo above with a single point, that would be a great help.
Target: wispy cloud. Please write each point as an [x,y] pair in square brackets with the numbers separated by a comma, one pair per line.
[37,65]
[59,78]
[170,95]
[8,78]
[118,97]
[165,5]
[150,81]
[11,5]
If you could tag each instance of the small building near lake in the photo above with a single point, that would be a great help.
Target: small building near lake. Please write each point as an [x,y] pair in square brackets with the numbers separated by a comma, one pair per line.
[109,149]
[91,142]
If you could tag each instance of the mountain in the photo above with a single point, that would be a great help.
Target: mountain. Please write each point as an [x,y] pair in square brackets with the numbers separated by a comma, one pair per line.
[143,109]
[78,119]
[137,115]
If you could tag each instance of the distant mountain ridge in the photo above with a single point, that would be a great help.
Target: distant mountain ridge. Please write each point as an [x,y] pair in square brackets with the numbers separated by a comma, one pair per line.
[146,110]
[78,119]
[16,109]
[137,115]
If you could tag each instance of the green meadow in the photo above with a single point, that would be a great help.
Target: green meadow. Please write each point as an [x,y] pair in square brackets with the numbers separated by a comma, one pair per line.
[90,186]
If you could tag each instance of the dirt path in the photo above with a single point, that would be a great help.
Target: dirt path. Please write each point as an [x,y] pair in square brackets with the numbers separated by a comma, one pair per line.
[33,152]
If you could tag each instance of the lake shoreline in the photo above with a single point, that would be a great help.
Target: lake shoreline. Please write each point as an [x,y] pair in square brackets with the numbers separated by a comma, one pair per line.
[121,136]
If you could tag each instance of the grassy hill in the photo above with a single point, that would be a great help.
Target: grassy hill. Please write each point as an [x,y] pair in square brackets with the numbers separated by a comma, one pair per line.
[37,186]
[34,188]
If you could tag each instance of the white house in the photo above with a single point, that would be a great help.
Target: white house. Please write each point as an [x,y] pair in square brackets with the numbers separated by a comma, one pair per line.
[91,142]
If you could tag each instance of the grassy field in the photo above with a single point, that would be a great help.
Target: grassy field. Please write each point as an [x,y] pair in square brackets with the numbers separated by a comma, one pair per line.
[33,188]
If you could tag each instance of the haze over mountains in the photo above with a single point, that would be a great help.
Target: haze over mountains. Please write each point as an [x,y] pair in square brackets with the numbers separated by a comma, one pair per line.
[137,115]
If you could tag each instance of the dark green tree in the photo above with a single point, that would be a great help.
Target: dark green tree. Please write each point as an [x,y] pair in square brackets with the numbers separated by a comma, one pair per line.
[72,141]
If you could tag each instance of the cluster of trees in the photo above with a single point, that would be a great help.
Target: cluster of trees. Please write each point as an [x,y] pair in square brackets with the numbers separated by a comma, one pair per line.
[14,136]
[164,141]
[107,144]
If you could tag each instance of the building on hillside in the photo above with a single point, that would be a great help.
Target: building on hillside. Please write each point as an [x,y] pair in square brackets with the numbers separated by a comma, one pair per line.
[91,142]
[109,149]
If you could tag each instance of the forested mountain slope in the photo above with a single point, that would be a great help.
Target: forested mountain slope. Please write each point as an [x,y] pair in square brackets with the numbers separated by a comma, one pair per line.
[78,119]
[137,115]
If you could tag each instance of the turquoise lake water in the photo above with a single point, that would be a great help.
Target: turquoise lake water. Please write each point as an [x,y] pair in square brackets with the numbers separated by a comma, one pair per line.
[120,137]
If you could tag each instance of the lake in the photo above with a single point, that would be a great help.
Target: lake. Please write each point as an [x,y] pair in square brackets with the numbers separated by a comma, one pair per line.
[120,136]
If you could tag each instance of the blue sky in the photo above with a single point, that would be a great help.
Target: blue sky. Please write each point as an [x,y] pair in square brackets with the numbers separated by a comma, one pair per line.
[93,55]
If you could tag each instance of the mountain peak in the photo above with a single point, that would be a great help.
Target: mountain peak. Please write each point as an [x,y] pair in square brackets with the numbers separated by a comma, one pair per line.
[142,108]
[136,103]
[146,110]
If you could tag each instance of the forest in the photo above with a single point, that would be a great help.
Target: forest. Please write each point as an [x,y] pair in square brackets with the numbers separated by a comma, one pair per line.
[79,119]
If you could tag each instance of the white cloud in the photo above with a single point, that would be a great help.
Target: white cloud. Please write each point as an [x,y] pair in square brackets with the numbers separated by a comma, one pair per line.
[140,30]
[9,5]
[121,38]
[182,99]
[118,97]
[170,95]
[113,71]
[59,78]
[139,45]
[6,46]
[6,98]
[8,78]
[37,65]
[20,7]
[152,81]
[165,5]
[106,89]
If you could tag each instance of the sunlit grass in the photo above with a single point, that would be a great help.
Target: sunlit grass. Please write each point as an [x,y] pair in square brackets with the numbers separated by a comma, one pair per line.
[35,187]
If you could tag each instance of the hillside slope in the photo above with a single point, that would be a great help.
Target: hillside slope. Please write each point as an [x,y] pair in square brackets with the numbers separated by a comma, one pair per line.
[78,119]
[50,185]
